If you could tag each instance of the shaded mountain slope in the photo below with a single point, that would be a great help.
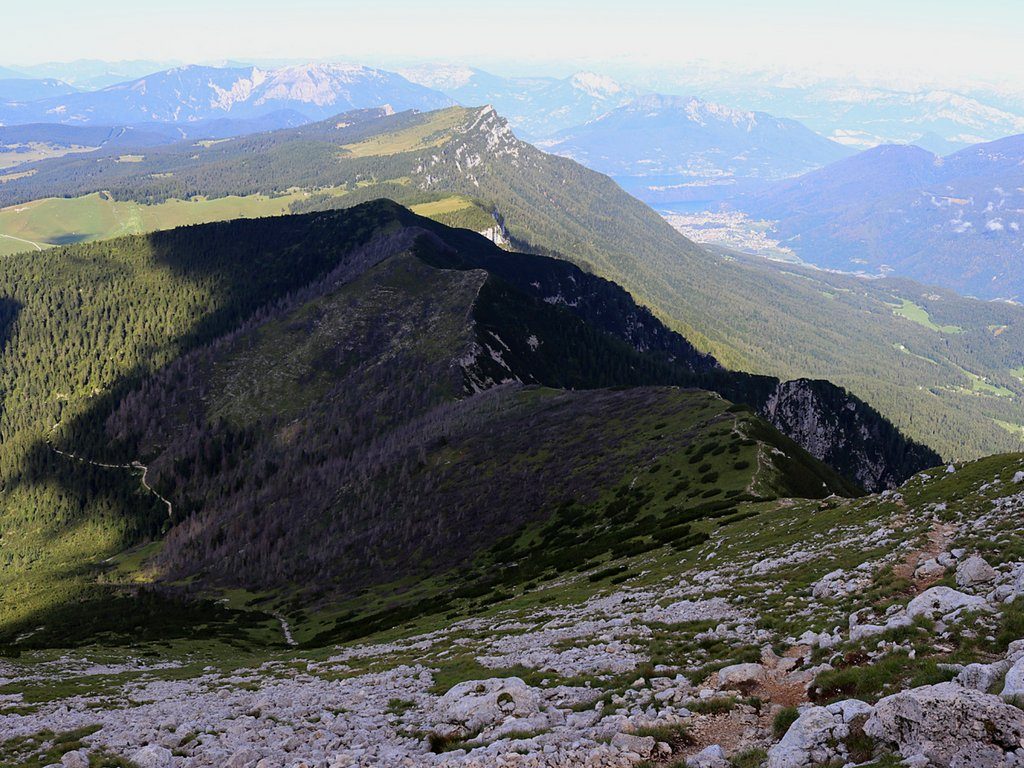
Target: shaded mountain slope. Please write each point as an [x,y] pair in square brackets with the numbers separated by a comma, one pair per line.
[299,388]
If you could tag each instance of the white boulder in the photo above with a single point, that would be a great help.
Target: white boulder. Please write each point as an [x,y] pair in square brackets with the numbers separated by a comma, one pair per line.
[952,726]
[942,601]
[974,570]
[981,677]
[75,759]
[811,740]
[472,706]
[710,757]
[1013,684]
[153,756]
[850,709]
[740,677]
[930,569]
[637,745]
[243,758]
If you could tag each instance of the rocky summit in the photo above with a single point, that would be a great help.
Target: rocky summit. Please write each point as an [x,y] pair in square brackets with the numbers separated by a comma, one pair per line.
[883,630]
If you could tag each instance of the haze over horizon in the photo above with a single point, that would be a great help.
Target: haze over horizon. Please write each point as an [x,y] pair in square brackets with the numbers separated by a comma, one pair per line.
[798,37]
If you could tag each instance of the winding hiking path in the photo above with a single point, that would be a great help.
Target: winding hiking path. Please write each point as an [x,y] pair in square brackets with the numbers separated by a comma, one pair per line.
[133,466]
[37,246]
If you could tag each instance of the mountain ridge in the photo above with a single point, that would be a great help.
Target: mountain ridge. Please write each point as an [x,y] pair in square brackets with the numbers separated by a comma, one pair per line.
[192,93]
[954,391]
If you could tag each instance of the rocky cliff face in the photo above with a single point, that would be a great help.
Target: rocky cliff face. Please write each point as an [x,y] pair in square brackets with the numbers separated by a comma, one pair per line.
[827,421]
[844,432]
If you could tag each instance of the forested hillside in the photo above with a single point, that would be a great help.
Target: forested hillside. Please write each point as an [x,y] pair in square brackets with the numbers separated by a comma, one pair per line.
[241,391]
[961,392]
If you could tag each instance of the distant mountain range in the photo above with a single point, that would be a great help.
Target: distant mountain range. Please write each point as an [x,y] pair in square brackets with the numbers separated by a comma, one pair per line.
[536,107]
[193,93]
[939,119]
[669,148]
[955,221]
[93,74]
[25,89]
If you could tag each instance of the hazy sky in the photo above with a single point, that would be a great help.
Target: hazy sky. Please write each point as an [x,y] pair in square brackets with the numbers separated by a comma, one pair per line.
[941,37]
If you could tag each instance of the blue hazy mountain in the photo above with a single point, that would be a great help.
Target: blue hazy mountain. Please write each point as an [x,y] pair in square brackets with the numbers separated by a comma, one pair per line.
[939,118]
[953,221]
[21,89]
[93,74]
[535,107]
[671,148]
[194,93]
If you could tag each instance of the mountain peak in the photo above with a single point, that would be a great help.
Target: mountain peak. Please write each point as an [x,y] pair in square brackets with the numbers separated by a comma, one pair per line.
[595,85]
[696,110]
[440,76]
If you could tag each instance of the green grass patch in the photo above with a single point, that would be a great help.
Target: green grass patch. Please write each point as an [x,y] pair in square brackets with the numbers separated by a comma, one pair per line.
[918,314]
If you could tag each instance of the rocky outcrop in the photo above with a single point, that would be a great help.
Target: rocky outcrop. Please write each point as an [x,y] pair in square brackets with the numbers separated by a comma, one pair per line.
[943,601]
[845,433]
[473,707]
[1013,683]
[950,726]
[813,739]
[973,571]
[709,757]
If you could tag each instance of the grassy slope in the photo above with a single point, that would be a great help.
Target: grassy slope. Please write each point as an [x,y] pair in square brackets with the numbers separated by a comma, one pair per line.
[61,221]
[918,314]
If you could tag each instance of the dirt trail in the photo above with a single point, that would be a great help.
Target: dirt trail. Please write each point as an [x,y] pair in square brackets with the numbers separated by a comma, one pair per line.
[37,246]
[939,538]
[132,466]
[733,731]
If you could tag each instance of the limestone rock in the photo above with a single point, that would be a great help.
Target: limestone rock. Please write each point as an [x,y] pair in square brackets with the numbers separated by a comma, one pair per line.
[472,706]
[153,756]
[930,569]
[952,726]
[740,677]
[1013,685]
[981,677]
[811,740]
[76,759]
[850,709]
[243,758]
[974,570]
[942,601]
[710,757]
[638,745]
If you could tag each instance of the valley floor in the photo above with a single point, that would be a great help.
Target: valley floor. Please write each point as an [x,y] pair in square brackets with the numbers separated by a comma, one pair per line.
[885,627]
